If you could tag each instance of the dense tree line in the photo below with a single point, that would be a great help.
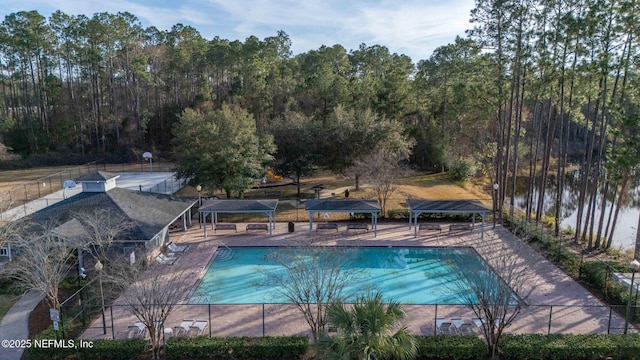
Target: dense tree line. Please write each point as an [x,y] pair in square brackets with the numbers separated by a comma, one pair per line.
[540,90]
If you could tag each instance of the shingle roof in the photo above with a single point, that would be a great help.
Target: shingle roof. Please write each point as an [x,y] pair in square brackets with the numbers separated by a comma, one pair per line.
[342,205]
[149,212]
[239,206]
[447,206]
[72,232]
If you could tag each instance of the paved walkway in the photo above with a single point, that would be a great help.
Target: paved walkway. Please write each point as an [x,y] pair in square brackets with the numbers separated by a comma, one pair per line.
[15,324]
[557,304]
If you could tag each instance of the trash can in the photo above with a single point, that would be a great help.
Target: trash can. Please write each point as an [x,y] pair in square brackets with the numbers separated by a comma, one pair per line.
[291,226]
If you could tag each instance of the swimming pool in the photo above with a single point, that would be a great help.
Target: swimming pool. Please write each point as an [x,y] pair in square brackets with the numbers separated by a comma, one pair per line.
[409,275]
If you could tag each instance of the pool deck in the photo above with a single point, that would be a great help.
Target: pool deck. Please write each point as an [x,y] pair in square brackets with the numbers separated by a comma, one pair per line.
[553,294]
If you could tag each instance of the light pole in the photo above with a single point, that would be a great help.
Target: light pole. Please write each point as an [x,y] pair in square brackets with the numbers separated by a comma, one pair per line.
[635,265]
[199,189]
[495,202]
[99,268]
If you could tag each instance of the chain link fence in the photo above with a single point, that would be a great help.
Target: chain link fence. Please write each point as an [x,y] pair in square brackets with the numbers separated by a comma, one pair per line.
[286,319]
[18,195]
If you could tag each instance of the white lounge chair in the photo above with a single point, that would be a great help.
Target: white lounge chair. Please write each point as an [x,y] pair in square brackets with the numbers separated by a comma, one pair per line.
[467,329]
[443,327]
[165,260]
[198,327]
[463,327]
[183,328]
[137,330]
[173,247]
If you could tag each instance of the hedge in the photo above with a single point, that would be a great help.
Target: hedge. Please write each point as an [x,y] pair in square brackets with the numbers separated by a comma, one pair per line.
[569,346]
[451,347]
[122,349]
[284,347]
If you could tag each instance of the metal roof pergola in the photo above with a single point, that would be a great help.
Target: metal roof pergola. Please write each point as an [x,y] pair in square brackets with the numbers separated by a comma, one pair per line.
[344,205]
[419,206]
[236,207]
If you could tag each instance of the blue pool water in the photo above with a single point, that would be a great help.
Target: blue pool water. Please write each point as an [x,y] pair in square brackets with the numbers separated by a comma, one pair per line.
[249,275]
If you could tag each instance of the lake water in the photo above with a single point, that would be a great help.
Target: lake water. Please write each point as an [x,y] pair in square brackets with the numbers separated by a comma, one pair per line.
[625,233]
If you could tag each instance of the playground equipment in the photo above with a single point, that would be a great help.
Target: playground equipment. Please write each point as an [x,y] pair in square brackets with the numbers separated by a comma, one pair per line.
[271,176]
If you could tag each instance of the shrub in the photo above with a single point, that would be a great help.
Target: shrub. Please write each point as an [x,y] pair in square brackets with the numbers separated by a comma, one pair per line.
[569,346]
[460,170]
[285,347]
[122,349]
[451,347]
[398,214]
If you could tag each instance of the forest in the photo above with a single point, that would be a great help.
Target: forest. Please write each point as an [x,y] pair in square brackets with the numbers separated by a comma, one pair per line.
[538,93]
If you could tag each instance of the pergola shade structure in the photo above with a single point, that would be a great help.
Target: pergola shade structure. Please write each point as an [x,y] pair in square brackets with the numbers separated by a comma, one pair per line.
[344,205]
[234,206]
[419,206]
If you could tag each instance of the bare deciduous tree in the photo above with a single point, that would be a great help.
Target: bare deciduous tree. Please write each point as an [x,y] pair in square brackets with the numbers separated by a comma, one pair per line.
[381,170]
[314,276]
[42,264]
[152,298]
[497,306]
[103,227]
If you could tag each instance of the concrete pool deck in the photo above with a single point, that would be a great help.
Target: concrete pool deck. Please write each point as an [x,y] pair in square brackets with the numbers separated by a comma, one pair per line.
[556,304]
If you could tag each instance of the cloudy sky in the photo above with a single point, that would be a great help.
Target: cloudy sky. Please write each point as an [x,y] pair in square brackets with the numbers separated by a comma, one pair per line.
[411,27]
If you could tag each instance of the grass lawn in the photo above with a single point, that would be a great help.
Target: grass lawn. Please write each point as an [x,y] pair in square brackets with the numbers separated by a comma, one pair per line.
[7,299]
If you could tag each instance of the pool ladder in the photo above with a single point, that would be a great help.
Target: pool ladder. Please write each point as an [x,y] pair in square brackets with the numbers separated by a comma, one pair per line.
[224,252]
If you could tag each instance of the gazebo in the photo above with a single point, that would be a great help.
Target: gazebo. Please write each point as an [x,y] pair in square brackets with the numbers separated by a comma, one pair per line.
[344,205]
[234,206]
[419,206]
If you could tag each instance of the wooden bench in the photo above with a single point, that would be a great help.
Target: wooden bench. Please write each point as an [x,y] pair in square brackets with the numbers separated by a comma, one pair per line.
[358,226]
[226,227]
[454,227]
[327,226]
[272,193]
[264,227]
[429,226]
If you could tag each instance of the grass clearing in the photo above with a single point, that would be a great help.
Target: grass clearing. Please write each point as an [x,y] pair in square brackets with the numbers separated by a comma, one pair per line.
[6,302]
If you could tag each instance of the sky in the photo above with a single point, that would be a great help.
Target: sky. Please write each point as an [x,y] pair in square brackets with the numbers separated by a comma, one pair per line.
[411,27]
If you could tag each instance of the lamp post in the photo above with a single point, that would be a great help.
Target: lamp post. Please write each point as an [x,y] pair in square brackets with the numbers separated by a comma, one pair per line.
[635,265]
[199,189]
[99,268]
[495,202]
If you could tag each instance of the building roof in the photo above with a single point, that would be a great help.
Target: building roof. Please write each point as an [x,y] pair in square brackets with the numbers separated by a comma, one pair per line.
[238,206]
[98,176]
[72,232]
[447,206]
[149,212]
[342,205]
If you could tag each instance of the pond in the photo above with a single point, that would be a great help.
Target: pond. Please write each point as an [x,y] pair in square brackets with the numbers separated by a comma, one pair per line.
[625,233]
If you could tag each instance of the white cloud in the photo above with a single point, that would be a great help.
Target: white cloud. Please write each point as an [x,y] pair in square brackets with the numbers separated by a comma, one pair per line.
[412,27]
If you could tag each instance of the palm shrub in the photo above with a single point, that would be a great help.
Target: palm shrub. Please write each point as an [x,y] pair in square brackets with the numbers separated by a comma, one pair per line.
[369,330]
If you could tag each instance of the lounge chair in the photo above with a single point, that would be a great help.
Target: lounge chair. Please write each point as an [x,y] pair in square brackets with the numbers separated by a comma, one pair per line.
[444,327]
[198,327]
[165,260]
[457,322]
[137,330]
[478,322]
[183,328]
[462,327]
[173,247]
[467,329]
